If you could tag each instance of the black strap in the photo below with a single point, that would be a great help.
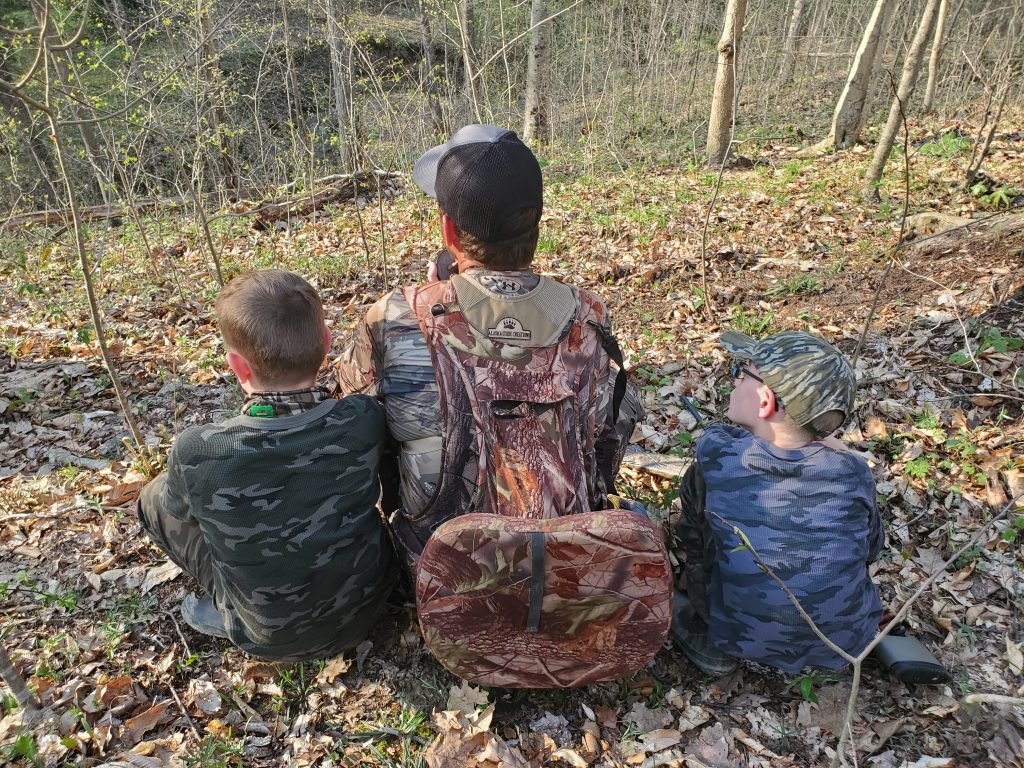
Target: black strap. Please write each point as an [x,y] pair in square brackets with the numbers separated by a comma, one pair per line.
[611,348]
[536,580]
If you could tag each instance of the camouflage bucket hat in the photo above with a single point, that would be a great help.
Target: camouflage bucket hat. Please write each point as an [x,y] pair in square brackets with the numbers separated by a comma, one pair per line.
[811,377]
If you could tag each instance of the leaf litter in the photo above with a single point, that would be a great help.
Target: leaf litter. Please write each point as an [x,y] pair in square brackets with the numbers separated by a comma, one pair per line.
[90,607]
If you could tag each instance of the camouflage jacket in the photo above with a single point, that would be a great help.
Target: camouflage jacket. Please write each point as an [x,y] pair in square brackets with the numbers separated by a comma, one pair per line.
[810,514]
[286,505]
[390,358]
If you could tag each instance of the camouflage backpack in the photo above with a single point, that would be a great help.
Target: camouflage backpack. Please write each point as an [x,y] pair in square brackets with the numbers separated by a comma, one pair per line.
[530,588]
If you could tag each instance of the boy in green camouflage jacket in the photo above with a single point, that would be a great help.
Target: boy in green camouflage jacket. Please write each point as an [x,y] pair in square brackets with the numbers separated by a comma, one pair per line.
[274,511]
[805,503]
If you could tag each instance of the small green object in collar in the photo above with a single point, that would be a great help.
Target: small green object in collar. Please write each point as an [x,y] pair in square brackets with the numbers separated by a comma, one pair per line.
[261,411]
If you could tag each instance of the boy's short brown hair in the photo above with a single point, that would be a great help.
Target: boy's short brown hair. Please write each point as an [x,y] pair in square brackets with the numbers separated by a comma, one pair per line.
[274,319]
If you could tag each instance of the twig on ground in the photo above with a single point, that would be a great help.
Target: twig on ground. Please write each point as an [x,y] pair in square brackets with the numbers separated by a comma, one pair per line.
[380,733]
[993,698]
[177,629]
[184,711]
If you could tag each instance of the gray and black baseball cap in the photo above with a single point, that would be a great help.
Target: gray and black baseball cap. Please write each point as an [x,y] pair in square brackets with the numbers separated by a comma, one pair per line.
[813,381]
[481,177]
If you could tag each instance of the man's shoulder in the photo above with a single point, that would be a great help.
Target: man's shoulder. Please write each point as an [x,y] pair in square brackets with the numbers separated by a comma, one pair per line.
[391,306]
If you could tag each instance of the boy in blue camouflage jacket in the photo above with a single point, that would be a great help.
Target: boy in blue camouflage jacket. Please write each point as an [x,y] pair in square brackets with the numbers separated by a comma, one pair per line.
[806,504]
[274,511]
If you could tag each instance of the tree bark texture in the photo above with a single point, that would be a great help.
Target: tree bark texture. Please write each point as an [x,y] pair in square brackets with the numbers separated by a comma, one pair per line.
[429,78]
[849,112]
[341,80]
[218,113]
[790,46]
[470,61]
[720,123]
[900,104]
[535,113]
[935,58]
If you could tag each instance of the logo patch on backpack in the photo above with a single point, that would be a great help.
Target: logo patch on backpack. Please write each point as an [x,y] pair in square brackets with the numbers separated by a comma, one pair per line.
[509,329]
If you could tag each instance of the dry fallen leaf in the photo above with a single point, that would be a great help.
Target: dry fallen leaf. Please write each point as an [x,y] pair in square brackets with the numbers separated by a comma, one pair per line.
[203,695]
[1014,657]
[569,756]
[136,727]
[466,699]
[157,576]
[334,668]
[645,720]
[663,738]
[692,716]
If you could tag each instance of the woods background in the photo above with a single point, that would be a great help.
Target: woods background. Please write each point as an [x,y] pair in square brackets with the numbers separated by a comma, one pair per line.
[166,99]
[853,168]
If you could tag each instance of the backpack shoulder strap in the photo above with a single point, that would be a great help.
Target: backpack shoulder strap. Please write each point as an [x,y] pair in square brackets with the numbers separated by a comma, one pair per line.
[594,312]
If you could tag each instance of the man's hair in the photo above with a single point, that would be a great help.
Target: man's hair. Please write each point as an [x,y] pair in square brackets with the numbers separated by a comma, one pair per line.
[274,319]
[515,253]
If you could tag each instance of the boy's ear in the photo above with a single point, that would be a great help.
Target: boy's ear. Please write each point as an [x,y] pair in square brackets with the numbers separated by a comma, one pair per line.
[240,366]
[766,404]
[327,339]
[450,236]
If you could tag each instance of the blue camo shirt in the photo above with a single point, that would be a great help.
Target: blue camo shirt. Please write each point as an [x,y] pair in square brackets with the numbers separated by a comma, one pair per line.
[810,514]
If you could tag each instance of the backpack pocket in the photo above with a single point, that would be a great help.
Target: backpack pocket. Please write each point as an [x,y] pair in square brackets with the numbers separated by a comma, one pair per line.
[532,464]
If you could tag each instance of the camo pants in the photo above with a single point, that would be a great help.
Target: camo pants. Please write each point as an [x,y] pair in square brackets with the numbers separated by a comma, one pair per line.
[181,541]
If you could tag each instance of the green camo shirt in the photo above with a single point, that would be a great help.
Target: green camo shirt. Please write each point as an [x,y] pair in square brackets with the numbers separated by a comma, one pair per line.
[287,507]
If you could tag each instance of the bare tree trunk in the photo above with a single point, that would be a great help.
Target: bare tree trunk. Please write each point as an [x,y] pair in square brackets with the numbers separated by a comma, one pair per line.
[62,66]
[470,61]
[535,114]
[933,61]
[849,112]
[218,113]
[429,74]
[911,69]
[790,46]
[720,124]
[341,81]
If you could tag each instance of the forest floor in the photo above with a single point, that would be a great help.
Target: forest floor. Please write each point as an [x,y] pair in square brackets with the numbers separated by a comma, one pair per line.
[90,607]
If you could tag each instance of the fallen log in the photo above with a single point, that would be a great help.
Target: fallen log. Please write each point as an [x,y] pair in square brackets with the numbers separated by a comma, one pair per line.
[90,213]
[337,189]
[330,189]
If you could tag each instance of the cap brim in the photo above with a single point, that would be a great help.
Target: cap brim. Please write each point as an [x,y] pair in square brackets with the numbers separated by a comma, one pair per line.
[424,173]
[737,343]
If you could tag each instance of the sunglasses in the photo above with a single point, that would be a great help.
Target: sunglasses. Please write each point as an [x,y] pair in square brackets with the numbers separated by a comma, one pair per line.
[739,370]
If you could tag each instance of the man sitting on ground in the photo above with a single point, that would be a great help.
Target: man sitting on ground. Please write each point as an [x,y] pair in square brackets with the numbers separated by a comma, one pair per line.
[496,382]
[805,503]
[273,511]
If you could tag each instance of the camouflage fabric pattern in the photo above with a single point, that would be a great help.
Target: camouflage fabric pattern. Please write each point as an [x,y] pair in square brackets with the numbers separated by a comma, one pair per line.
[519,422]
[810,514]
[811,378]
[301,560]
[390,358]
[605,608]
